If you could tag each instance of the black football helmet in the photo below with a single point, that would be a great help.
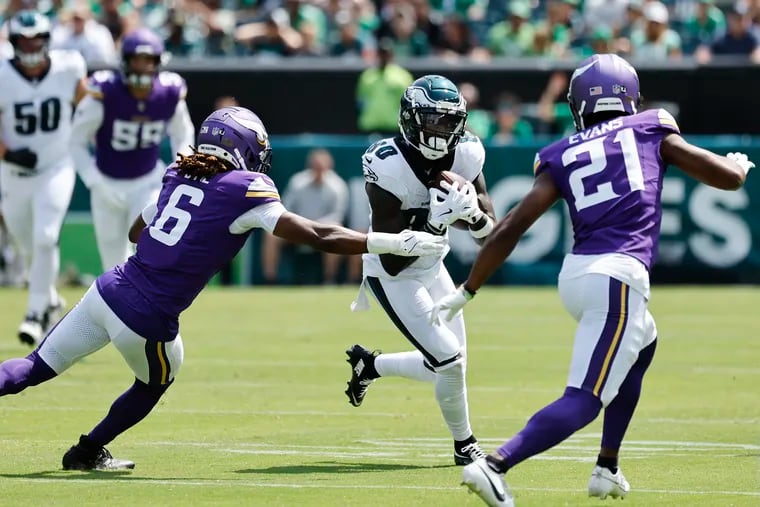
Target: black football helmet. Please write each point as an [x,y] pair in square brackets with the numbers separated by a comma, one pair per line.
[432,116]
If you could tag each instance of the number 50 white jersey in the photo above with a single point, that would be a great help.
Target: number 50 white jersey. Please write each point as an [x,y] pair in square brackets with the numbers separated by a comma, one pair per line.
[36,113]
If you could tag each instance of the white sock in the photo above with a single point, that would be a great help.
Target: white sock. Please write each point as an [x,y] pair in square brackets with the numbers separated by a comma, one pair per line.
[451,394]
[404,364]
[42,276]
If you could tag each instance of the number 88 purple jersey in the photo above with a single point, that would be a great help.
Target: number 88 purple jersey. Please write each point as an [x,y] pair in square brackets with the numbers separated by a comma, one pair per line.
[611,177]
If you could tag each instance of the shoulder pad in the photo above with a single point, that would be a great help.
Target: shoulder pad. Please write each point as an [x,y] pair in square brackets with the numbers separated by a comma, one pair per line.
[383,165]
[261,186]
[470,157]
[98,81]
[173,80]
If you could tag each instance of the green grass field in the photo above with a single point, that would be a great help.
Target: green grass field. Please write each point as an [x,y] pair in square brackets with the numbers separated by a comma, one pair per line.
[258,415]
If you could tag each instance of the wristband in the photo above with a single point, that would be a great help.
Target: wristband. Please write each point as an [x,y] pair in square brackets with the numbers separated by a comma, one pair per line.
[468,293]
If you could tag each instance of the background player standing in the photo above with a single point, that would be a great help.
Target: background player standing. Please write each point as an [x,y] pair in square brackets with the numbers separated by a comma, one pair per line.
[209,204]
[128,113]
[39,91]
[398,171]
[610,174]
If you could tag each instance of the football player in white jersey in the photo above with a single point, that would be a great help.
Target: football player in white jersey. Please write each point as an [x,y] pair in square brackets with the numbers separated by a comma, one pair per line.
[40,90]
[127,114]
[398,173]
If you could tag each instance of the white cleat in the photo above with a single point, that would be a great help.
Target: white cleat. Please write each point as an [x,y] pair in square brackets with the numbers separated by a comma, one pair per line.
[490,486]
[604,483]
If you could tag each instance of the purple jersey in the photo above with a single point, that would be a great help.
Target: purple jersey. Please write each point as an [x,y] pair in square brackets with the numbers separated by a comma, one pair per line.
[611,177]
[128,141]
[185,244]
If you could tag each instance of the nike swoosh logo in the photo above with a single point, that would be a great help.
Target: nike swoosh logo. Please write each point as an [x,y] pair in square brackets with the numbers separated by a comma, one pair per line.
[368,159]
[496,490]
[446,212]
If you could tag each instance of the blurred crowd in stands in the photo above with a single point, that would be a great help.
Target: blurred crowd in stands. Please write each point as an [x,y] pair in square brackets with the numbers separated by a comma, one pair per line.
[480,30]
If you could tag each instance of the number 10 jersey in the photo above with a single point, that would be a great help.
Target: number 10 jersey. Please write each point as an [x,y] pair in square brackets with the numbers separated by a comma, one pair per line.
[36,113]
[611,177]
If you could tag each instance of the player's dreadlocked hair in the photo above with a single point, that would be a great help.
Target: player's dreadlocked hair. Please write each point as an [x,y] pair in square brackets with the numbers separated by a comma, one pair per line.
[201,165]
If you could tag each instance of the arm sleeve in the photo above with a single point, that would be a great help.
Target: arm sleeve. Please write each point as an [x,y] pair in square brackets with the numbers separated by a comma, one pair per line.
[264,217]
[180,129]
[87,121]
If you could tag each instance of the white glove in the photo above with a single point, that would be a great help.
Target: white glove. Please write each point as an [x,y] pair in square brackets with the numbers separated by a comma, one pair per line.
[450,304]
[740,158]
[447,208]
[109,195]
[406,243]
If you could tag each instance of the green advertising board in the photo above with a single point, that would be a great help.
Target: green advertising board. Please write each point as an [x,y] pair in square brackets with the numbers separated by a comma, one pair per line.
[708,235]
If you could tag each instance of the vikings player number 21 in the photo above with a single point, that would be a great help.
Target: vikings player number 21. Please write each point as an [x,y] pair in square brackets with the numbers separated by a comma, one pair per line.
[170,236]
[597,151]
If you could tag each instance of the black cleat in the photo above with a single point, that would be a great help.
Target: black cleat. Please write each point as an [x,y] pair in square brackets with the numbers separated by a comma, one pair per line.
[30,331]
[363,373]
[467,451]
[87,456]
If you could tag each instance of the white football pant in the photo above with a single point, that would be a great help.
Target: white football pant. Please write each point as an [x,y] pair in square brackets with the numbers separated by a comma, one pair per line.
[91,325]
[614,325]
[34,208]
[112,222]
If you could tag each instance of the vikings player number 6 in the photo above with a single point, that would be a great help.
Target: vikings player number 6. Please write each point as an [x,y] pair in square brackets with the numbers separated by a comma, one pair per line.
[597,163]
[182,218]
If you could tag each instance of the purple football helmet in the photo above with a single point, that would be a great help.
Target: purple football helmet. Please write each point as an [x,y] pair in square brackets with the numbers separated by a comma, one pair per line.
[602,83]
[141,42]
[237,135]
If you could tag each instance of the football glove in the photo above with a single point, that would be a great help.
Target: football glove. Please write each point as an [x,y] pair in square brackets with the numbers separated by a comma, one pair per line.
[23,157]
[450,304]
[740,158]
[456,204]
[406,243]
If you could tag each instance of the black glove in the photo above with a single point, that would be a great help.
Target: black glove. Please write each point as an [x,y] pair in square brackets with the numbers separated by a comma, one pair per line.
[23,157]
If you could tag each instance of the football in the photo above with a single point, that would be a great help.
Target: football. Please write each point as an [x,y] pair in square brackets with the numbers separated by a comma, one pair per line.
[449,177]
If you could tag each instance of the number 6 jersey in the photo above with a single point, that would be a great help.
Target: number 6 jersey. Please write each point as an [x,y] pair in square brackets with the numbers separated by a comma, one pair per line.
[611,176]
[36,113]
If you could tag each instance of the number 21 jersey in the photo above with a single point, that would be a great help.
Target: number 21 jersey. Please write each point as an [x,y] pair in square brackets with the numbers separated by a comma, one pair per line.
[36,113]
[611,177]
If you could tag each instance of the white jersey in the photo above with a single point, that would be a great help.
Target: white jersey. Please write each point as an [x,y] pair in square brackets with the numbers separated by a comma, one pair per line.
[385,166]
[36,114]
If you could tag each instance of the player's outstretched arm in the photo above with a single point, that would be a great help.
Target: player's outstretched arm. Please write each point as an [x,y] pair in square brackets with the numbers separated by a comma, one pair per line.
[336,239]
[726,173]
[387,217]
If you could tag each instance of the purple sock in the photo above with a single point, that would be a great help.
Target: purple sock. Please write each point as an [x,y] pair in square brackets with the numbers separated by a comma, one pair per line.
[129,409]
[618,414]
[551,425]
[19,373]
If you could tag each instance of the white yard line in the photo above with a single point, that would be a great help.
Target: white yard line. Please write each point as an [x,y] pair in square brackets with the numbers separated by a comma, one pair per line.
[132,481]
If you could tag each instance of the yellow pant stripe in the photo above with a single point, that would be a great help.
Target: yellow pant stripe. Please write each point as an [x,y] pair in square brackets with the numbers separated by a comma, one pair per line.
[615,339]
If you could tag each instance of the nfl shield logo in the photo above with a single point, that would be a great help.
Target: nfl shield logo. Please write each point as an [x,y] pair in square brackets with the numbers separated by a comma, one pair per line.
[618,89]
[595,90]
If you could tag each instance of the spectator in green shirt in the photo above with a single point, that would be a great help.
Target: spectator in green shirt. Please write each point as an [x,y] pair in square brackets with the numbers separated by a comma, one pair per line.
[379,90]
[513,36]
[702,28]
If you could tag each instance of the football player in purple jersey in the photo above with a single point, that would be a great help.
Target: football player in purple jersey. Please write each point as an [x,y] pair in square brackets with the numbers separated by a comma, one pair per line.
[128,114]
[209,203]
[610,173]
